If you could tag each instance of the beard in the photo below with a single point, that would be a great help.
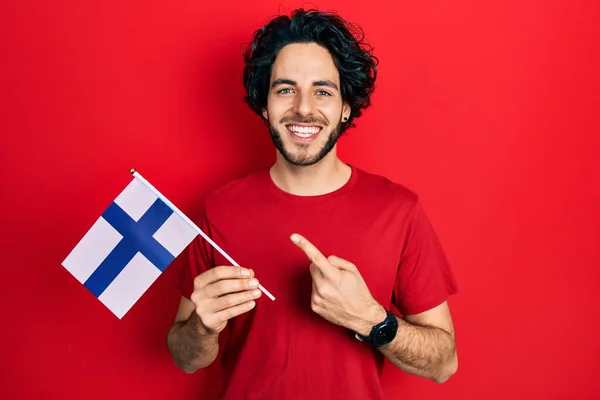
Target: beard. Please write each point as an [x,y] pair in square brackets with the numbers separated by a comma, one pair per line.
[303,157]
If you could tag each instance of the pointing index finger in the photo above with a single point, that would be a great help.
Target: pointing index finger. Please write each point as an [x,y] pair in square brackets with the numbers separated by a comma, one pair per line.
[313,254]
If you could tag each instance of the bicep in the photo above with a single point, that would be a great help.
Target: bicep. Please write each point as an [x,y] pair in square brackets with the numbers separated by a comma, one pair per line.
[424,278]
[186,308]
[438,317]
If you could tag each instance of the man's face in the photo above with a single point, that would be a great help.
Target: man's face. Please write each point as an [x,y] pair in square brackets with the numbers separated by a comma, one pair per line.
[304,105]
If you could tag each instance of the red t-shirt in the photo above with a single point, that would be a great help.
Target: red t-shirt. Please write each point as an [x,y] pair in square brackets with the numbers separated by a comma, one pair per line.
[282,349]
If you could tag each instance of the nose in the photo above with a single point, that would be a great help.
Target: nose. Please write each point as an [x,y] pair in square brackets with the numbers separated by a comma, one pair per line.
[303,104]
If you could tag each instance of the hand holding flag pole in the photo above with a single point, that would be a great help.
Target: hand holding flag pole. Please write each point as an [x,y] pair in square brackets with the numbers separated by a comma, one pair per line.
[193,225]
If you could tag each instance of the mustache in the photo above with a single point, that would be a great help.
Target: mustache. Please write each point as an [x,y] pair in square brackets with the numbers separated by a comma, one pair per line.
[302,120]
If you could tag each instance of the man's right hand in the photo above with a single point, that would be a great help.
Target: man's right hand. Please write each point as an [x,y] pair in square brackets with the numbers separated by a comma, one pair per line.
[222,293]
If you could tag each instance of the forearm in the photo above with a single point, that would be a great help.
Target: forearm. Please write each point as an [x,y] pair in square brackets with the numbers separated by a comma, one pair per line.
[191,347]
[422,350]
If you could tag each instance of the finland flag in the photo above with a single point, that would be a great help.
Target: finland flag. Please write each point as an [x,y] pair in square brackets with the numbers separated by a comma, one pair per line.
[129,246]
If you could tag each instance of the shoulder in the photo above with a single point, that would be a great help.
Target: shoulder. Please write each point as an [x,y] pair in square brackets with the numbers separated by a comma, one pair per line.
[235,191]
[386,189]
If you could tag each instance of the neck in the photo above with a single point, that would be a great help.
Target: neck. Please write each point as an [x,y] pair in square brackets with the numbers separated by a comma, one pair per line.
[326,176]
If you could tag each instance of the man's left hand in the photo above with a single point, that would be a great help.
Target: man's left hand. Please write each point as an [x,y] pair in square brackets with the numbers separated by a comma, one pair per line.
[339,292]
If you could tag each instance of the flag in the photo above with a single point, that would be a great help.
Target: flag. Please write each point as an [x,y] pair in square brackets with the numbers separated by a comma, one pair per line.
[129,246]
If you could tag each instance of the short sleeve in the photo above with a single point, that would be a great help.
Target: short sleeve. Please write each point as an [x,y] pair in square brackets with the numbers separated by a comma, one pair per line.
[197,258]
[424,279]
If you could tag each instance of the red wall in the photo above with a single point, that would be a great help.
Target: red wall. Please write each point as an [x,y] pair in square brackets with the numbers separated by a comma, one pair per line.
[488,109]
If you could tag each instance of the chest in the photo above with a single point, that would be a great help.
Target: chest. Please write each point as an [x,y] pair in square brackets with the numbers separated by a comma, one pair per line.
[367,236]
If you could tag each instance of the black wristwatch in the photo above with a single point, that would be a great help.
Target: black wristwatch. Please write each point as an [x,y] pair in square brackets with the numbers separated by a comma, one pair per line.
[382,333]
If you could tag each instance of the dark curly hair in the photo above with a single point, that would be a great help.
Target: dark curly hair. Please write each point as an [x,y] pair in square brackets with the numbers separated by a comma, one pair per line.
[353,57]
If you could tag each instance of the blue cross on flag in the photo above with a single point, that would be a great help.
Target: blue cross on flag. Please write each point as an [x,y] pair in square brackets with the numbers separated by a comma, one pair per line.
[128,247]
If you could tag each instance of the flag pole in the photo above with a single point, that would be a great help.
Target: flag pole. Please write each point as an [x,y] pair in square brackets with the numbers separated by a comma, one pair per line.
[192,224]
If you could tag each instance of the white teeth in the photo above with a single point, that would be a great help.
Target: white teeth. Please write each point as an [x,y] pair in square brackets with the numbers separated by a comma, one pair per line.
[304,131]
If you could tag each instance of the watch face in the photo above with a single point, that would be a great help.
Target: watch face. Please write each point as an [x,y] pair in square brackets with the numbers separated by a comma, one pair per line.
[385,335]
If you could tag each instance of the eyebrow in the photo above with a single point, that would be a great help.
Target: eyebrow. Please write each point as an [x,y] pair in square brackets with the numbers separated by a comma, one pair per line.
[326,82]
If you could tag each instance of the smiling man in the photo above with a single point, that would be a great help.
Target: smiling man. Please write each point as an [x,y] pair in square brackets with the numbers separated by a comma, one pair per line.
[357,269]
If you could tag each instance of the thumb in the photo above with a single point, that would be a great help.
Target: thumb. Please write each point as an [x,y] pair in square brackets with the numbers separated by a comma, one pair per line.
[342,264]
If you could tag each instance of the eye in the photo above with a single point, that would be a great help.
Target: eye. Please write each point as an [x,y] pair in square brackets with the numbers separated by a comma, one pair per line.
[323,93]
[284,91]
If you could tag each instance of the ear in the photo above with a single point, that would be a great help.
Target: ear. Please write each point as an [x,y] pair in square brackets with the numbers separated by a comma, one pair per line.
[346,111]
[265,113]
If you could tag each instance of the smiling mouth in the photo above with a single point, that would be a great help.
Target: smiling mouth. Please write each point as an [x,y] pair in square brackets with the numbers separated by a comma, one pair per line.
[304,132]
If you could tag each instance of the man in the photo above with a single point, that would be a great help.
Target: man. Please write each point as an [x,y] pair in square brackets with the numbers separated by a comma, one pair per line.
[344,251]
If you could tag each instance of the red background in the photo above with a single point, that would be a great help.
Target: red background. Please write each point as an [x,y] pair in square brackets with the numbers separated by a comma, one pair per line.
[489,110]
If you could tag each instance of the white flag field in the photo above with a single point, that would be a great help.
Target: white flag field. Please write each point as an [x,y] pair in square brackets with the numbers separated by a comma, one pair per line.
[134,240]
